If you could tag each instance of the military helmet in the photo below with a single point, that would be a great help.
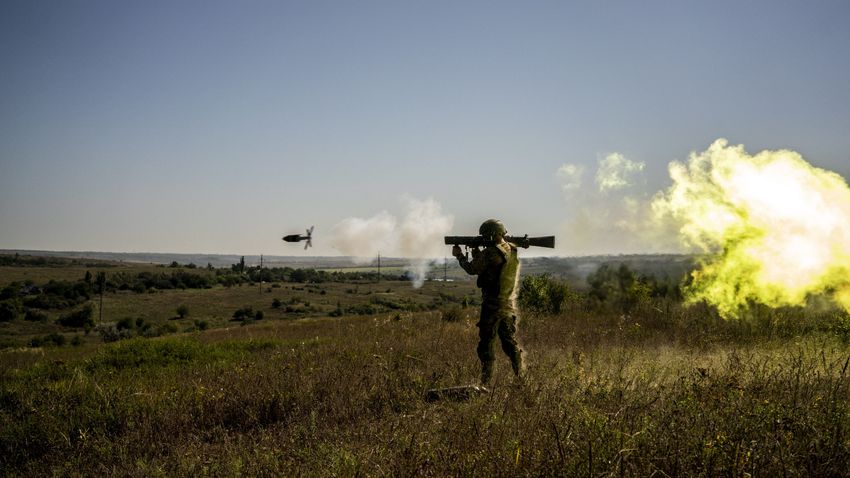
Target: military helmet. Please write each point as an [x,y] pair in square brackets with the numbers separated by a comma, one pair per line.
[491,228]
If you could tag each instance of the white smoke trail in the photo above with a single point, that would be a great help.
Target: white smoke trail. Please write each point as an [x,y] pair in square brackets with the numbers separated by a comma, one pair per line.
[362,238]
[421,234]
[418,236]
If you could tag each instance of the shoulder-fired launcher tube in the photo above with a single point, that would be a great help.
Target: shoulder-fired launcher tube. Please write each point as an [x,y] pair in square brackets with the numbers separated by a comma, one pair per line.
[520,241]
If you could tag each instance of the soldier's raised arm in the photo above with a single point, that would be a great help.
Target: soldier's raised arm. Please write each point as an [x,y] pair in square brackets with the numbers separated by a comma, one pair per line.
[482,261]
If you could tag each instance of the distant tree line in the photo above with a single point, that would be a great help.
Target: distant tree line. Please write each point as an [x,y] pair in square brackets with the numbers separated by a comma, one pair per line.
[239,273]
[18,260]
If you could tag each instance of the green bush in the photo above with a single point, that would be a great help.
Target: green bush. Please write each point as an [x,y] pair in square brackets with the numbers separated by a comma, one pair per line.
[9,310]
[388,303]
[79,318]
[452,314]
[56,339]
[619,287]
[362,309]
[10,291]
[841,326]
[112,332]
[182,311]
[544,294]
[244,313]
[48,340]
[35,315]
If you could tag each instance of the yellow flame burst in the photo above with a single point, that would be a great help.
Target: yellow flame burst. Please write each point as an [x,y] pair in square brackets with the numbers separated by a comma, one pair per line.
[775,229]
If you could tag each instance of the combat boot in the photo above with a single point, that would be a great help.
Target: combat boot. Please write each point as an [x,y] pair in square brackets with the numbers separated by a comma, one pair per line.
[486,373]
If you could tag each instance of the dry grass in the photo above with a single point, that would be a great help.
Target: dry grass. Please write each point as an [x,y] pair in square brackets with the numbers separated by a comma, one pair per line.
[216,306]
[342,397]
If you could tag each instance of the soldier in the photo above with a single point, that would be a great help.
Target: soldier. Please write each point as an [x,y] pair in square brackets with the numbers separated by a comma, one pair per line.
[497,268]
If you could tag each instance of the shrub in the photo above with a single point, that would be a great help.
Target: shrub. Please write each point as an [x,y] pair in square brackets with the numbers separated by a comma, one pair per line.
[9,310]
[841,326]
[388,303]
[35,315]
[276,304]
[544,294]
[619,287]
[362,309]
[111,332]
[10,291]
[79,318]
[48,340]
[244,313]
[55,339]
[182,311]
[61,294]
[452,314]
[338,312]
[230,280]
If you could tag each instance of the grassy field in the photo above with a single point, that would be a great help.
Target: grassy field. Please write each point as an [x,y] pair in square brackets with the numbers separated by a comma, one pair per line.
[214,307]
[663,390]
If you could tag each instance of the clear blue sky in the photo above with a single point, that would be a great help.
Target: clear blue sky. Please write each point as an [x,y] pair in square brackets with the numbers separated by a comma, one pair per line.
[208,126]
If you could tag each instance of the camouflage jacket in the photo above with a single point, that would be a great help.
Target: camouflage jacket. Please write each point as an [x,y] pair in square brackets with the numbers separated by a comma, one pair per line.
[497,268]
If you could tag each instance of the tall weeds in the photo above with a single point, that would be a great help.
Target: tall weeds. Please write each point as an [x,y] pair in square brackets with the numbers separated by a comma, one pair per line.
[675,392]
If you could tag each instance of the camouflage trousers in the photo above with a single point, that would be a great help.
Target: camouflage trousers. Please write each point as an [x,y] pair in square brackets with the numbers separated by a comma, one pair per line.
[497,322]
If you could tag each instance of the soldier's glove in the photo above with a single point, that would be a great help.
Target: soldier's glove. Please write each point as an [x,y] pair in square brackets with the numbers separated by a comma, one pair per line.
[476,252]
[456,251]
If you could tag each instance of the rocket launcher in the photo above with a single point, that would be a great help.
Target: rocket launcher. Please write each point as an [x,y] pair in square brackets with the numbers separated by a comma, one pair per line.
[519,241]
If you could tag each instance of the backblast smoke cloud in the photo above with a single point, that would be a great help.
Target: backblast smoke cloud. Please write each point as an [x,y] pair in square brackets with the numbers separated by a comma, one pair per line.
[773,228]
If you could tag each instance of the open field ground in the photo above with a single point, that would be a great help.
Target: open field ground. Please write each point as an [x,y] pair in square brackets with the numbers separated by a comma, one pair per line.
[214,306]
[340,397]
[652,389]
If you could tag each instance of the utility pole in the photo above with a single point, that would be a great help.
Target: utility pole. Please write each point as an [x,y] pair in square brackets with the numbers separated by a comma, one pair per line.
[101,284]
[379,266]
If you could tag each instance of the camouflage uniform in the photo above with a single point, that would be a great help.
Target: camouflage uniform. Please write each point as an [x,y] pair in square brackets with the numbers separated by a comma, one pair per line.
[497,268]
